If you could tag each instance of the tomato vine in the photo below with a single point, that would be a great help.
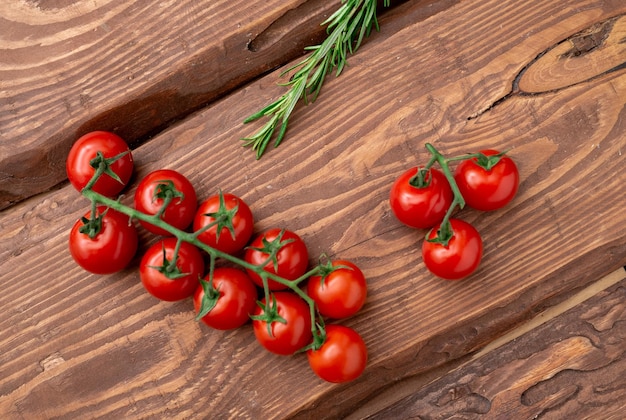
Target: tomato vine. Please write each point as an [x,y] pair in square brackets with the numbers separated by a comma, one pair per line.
[424,197]
[105,241]
[214,254]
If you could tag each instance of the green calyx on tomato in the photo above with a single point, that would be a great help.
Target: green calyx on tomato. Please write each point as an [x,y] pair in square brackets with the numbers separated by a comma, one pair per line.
[92,225]
[269,314]
[319,336]
[166,191]
[223,218]
[328,267]
[169,268]
[488,161]
[421,179]
[103,165]
[272,247]
[443,235]
[209,300]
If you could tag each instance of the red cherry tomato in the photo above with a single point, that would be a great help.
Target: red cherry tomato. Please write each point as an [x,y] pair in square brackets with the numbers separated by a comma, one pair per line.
[459,258]
[340,293]
[231,219]
[342,357]
[290,252]
[230,299]
[487,188]
[111,250]
[79,162]
[153,189]
[420,206]
[167,281]
[284,338]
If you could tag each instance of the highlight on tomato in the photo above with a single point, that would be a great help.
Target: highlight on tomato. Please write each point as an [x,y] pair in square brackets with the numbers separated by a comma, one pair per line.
[104,243]
[420,198]
[278,251]
[167,278]
[225,300]
[172,189]
[341,358]
[339,291]
[100,149]
[452,255]
[227,223]
[487,182]
[282,325]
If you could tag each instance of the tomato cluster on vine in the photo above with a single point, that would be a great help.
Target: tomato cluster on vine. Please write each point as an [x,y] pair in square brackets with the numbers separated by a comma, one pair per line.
[209,252]
[425,197]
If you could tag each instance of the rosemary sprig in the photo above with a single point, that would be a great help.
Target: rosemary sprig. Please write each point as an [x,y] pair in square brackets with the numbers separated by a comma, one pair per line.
[346,29]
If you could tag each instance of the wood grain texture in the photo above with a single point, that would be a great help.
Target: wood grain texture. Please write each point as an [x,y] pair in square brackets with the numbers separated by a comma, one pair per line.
[76,345]
[570,367]
[69,67]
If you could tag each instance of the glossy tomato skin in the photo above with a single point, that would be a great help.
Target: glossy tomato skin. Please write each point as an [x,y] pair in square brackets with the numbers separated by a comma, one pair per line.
[242,222]
[236,301]
[457,260]
[78,168]
[111,250]
[285,338]
[487,189]
[189,262]
[293,257]
[421,207]
[342,357]
[180,211]
[341,293]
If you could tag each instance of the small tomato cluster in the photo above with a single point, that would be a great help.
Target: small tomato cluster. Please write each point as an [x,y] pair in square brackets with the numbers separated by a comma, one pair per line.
[425,197]
[289,317]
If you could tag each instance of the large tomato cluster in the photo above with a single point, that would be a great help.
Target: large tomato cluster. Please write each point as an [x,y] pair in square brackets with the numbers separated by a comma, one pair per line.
[224,297]
[424,198]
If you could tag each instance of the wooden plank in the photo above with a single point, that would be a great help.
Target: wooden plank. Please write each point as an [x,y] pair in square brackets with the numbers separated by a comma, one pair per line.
[67,68]
[569,366]
[77,345]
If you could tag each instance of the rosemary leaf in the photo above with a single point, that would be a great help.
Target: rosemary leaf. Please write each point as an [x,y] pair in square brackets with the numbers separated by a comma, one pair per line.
[346,29]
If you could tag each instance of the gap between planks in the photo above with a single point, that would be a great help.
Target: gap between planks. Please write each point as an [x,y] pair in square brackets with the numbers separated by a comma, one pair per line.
[409,386]
[554,311]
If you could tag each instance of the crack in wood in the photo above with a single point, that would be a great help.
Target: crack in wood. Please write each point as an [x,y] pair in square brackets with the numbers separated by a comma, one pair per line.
[583,43]
[304,18]
[590,39]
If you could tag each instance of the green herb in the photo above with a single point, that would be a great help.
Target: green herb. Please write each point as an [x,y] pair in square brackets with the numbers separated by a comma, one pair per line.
[346,29]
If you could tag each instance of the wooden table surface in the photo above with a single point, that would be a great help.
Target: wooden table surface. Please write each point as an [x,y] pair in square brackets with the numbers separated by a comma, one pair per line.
[538,330]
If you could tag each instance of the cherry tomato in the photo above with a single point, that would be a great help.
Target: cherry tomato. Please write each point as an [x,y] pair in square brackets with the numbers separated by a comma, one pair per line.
[230,299]
[420,206]
[167,281]
[281,252]
[231,219]
[111,249]
[155,187]
[83,153]
[340,293]
[289,335]
[341,358]
[486,187]
[459,258]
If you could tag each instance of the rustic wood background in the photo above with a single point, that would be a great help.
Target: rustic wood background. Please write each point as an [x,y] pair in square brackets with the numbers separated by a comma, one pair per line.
[176,79]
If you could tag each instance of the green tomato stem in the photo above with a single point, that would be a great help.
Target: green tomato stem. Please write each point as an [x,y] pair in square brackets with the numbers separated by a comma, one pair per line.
[169,196]
[443,162]
[101,169]
[445,233]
